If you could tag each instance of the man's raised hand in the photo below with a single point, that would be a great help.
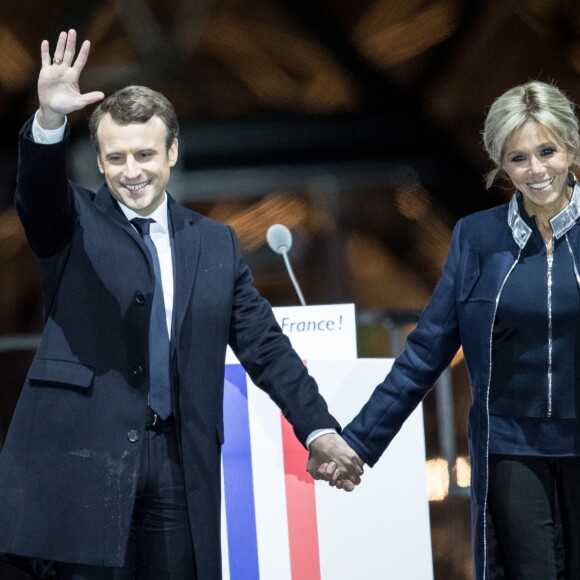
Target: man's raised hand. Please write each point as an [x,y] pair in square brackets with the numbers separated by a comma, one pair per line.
[58,81]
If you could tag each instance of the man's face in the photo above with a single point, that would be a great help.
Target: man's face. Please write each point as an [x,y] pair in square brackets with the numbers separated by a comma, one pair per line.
[135,162]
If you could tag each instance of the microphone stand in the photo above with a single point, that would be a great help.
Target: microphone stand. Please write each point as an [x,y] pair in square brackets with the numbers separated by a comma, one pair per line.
[292,277]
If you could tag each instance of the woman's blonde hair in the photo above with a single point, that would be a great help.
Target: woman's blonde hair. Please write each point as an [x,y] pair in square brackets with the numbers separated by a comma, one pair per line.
[535,101]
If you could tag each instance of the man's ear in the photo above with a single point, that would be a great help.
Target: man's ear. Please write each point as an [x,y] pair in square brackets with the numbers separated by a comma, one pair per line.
[173,153]
[100,165]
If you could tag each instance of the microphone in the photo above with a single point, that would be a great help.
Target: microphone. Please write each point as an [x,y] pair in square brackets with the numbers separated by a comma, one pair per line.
[280,241]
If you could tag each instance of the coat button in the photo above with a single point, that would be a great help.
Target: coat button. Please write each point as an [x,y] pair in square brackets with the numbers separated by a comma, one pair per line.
[140,298]
[133,436]
[136,371]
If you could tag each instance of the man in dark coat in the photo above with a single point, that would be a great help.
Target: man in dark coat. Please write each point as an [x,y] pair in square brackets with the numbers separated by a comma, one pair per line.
[103,471]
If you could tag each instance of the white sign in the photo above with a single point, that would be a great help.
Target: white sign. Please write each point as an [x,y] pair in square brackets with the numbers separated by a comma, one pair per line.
[278,523]
[325,332]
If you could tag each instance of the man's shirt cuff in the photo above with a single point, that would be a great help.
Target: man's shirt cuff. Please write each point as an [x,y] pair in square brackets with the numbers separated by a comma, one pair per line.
[316,434]
[47,136]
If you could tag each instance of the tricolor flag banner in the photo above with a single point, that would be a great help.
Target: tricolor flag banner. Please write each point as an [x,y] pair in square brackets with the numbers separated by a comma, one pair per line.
[278,523]
[289,499]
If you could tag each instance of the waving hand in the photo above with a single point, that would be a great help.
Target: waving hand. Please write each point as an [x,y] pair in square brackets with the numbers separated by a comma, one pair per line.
[58,81]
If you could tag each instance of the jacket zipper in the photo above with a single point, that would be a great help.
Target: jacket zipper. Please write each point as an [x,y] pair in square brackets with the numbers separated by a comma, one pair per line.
[487,411]
[550,259]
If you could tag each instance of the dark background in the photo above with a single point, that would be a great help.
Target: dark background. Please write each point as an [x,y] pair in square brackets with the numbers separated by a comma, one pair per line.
[356,123]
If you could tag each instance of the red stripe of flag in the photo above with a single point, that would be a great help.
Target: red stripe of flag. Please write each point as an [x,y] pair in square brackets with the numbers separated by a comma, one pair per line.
[301,508]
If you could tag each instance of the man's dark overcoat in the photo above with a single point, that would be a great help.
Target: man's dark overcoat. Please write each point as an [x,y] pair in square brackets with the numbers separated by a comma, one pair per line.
[69,466]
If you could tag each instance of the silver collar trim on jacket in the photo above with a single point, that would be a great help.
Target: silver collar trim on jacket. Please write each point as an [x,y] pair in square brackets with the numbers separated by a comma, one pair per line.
[560,223]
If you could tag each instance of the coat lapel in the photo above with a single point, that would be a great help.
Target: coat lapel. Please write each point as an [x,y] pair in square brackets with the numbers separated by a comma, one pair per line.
[187,247]
[105,202]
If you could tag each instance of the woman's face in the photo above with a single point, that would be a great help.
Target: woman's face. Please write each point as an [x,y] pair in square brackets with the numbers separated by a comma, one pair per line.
[538,167]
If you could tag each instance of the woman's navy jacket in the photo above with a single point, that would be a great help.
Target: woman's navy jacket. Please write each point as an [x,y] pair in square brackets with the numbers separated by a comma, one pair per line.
[485,247]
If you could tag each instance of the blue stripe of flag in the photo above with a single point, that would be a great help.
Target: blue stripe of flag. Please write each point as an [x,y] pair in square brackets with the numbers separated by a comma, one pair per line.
[238,479]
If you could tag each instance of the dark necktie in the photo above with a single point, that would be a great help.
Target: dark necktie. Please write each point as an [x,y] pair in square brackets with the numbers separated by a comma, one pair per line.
[159,376]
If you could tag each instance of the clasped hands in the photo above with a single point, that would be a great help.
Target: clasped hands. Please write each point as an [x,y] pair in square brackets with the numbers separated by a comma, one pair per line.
[331,459]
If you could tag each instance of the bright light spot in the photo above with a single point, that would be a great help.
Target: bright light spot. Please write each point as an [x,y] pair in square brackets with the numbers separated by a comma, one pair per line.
[463,472]
[437,475]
